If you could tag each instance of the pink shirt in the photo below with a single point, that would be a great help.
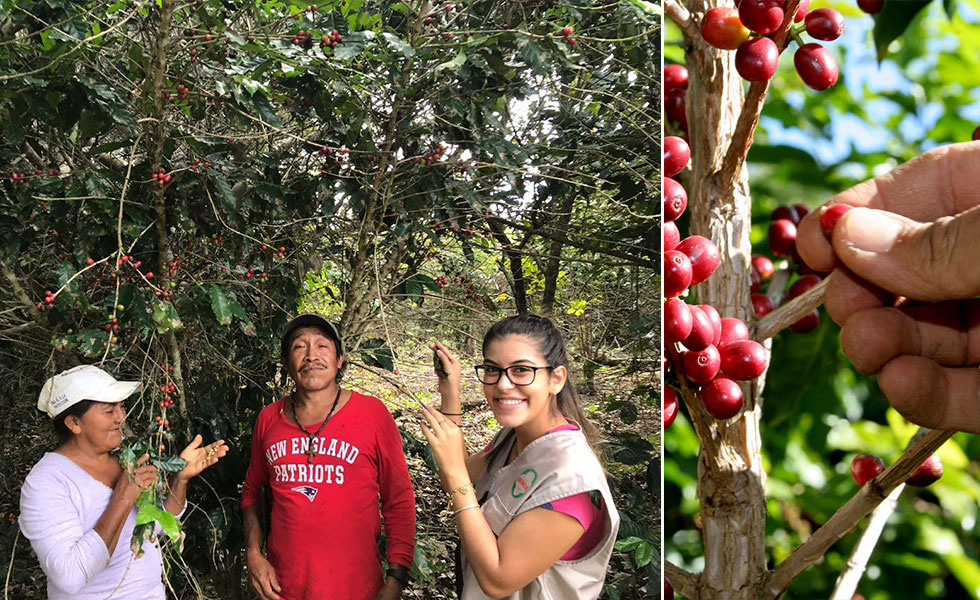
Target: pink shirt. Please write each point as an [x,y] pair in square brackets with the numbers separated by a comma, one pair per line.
[583,509]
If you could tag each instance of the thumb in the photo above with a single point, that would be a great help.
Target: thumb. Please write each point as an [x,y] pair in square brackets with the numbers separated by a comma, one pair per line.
[929,262]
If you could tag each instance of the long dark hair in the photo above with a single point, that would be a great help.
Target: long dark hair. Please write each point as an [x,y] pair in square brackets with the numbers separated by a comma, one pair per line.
[75,410]
[551,345]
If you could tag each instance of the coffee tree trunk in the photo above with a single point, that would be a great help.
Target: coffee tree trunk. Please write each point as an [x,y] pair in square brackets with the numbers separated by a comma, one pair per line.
[731,479]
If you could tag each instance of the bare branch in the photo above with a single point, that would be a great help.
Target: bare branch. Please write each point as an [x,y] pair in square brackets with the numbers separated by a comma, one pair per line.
[791,312]
[756,97]
[682,17]
[847,516]
[21,295]
[684,583]
[851,575]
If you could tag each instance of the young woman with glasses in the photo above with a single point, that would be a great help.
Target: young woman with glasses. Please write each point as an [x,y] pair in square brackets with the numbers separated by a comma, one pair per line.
[533,510]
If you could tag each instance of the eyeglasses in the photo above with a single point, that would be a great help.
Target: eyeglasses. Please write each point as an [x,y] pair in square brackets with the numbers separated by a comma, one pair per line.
[517,374]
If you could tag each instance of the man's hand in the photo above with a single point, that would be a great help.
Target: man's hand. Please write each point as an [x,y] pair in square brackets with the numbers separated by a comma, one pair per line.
[912,233]
[263,576]
[391,590]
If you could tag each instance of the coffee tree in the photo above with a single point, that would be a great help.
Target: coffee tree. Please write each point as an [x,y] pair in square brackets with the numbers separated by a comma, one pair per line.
[180,177]
[758,471]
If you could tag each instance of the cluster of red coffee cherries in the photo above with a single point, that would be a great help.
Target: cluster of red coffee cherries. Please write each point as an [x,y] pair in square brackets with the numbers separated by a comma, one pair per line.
[303,38]
[866,467]
[161,176]
[331,40]
[709,350]
[567,32]
[756,57]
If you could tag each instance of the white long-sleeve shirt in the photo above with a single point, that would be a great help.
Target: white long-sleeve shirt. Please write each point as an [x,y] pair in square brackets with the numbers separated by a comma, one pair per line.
[60,503]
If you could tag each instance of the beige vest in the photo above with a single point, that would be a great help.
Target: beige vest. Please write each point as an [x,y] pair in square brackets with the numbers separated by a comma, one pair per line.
[554,466]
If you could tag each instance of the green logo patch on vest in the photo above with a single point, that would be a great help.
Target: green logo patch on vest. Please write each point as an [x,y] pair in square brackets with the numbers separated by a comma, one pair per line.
[523,483]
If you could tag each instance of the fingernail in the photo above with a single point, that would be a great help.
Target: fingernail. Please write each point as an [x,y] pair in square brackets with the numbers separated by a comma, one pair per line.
[871,230]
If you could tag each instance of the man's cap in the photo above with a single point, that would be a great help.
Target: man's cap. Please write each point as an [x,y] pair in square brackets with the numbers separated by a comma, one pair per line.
[84,382]
[311,320]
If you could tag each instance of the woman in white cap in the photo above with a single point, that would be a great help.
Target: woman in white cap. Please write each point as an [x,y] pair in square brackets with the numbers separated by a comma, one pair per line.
[77,505]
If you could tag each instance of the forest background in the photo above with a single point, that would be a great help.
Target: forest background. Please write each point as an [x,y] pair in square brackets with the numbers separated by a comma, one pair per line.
[180,177]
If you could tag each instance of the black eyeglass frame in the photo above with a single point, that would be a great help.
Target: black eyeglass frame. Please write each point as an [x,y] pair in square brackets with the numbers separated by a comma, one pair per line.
[506,372]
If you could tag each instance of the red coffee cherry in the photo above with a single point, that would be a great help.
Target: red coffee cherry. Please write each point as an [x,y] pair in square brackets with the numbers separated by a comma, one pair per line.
[702,332]
[675,77]
[802,210]
[872,7]
[678,320]
[722,398]
[866,467]
[807,323]
[701,366]
[668,589]
[782,237]
[976,134]
[670,406]
[715,319]
[675,199]
[676,155]
[744,360]
[802,11]
[704,257]
[786,212]
[825,24]
[756,59]
[927,473]
[830,215]
[674,106]
[677,273]
[801,285]
[763,265]
[761,16]
[762,305]
[816,67]
[755,282]
[722,28]
[672,235]
[732,330]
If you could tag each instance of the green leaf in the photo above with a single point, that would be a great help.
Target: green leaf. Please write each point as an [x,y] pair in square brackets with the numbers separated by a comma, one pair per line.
[168,522]
[401,46]
[628,544]
[892,22]
[225,195]
[534,55]
[166,317]
[643,554]
[452,65]
[225,306]
[171,464]
[265,110]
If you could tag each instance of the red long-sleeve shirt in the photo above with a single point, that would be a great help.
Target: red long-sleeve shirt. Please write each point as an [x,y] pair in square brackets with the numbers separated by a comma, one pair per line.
[325,522]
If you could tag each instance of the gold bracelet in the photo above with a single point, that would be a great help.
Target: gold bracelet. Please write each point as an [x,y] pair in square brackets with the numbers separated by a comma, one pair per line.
[461,490]
[467,507]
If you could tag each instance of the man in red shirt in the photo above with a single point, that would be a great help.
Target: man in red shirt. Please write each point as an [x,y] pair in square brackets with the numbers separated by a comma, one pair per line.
[328,455]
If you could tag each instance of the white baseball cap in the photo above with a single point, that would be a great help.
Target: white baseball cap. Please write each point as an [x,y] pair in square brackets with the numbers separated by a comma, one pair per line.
[84,382]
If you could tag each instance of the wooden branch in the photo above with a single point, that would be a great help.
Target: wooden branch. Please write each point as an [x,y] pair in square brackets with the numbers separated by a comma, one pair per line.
[791,312]
[851,575]
[21,295]
[682,17]
[685,584]
[16,329]
[847,516]
[738,149]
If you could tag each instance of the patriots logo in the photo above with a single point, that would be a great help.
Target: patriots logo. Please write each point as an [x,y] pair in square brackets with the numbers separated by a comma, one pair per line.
[306,490]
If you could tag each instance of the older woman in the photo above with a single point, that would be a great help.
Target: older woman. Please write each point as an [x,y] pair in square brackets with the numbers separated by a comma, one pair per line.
[77,506]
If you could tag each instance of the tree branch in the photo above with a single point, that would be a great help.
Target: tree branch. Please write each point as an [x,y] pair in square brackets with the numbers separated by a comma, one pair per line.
[848,581]
[686,584]
[847,516]
[682,17]
[738,149]
[791,312]
[21,295]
